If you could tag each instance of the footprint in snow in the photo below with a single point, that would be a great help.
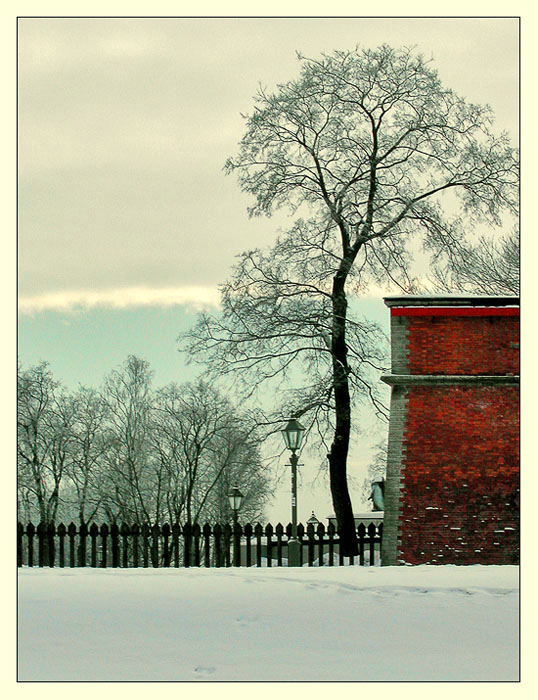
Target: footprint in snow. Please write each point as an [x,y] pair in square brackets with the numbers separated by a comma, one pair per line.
[205,670]
[244,621]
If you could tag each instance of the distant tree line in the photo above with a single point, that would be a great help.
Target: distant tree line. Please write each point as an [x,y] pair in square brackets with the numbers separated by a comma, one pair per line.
[127,452]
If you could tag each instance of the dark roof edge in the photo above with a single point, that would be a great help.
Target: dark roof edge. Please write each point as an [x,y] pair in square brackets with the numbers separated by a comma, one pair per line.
[450,300]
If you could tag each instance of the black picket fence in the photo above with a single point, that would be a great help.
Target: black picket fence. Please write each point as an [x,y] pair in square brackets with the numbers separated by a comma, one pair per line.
[188,545]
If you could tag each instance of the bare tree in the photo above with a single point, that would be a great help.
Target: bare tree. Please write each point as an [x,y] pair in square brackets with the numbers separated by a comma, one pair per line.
[45,415]
[366,146]
[129,493]
[86,467]
[489,267]
[202,444]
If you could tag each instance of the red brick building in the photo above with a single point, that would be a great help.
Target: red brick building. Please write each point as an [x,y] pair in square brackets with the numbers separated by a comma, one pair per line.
[452,486]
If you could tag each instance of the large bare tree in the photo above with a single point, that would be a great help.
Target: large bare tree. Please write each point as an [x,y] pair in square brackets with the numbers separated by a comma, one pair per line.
[365,148]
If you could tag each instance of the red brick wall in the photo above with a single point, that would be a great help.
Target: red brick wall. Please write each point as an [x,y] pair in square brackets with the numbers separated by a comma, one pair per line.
[460,486]
[471,343]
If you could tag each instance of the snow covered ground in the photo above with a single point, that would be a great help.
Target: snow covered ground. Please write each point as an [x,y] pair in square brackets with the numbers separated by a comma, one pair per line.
[349,623]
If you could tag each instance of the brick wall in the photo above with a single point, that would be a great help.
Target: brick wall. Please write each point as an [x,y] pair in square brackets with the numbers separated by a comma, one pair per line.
[460,495]
[452,490]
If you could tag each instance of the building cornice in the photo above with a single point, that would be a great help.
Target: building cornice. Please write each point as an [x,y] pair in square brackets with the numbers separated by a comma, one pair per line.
[450,300]
[454,379]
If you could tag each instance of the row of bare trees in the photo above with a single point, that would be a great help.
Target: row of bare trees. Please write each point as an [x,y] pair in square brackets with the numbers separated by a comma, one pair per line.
[130,453]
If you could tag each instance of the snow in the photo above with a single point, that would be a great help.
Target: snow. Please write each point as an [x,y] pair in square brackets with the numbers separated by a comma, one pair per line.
[337,624]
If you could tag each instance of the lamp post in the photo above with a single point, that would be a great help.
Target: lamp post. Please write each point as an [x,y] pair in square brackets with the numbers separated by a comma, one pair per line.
[236,498]
[293,438]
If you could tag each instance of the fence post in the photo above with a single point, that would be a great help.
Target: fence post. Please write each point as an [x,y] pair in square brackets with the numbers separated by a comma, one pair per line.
[155,532]
[310,535]
[176,532]
[166,549]
[114,536]
[71,532]
[20,531]
[371,536]
[227,542]
[135,531]
[207,545]
[269,545]
[300,537]
[40,531]
[330,534]
[51,530]
[217,533]
[196,537]
[145,545]
[104,535]
[83,532]
[361,532]
[61,536]
[125,532]
[237,544]
[279,531]
[380,530]
[30,532]
[94,531]
[258,531]
[248,536]
[321,535]
[187,536]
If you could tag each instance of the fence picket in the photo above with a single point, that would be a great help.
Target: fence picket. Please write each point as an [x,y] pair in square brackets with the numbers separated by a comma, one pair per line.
[248,538]
[145,545]
[330,533]
[258,531]
[103,531]
[30,532]
[320,530]
[166,549]
[207,545]
[237,544]
[125,532]
[279,530]
[61,536]
[361,531]
[83,533]
[269,535]
[71,532]
[135,531]
[94,531]
[114,538]
[20,531]
[310,535]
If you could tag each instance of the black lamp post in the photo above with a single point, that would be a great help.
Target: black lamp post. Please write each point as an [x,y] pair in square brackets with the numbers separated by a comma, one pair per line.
[293,438]
[236,498]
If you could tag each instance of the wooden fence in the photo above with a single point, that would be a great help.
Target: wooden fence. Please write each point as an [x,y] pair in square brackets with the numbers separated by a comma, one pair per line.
[187,545]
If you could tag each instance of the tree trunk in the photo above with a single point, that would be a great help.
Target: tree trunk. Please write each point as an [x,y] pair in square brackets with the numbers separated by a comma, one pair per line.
[340,446]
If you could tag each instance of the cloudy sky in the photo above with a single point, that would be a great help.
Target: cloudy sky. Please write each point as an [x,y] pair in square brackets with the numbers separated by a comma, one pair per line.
[126,221]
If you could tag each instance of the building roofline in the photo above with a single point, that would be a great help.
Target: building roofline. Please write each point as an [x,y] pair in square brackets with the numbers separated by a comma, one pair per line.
[450,300]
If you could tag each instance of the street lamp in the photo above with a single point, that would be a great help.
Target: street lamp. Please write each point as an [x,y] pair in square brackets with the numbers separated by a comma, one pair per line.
[236,498]
[312,520]
[293,438]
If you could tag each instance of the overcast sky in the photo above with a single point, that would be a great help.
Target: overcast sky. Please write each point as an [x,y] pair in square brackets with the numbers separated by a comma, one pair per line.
[124,126]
